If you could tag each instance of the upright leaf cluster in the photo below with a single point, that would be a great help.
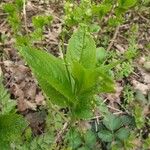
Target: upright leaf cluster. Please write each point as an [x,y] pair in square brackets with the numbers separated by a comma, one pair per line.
[74,80]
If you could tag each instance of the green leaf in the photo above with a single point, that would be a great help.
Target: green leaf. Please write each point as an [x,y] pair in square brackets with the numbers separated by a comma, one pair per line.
[105,82]
[37,34]
[146,143]
[91,80]
[42,142]
[82,49]
[122,133]
[139,96]
[78,74]
[51,74]
[94,28]
[114,21]
[112,122]
[55,96]
[90,139]
[127,3]
[19,4]
[100,54]
[105,136]
[83,107]
[74,138]
[84,148]
[105,86]
[128,121]
[9,8]
[6,104]
[40,21]
[85,79]
[11,128]
[101,10]
[102,107]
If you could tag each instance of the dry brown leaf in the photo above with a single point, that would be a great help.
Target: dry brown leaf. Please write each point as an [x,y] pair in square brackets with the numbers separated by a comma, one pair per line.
[84,125]
[30,105]
[0,71]
[30,91]
[120,48]
[39,99]
[140,86]
[18,92]
[115,97]
[22,105]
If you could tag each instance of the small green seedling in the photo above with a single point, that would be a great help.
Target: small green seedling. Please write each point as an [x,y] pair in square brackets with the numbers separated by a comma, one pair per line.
[12,125]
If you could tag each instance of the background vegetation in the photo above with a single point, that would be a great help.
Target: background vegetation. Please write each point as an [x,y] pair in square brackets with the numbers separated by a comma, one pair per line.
[74,75]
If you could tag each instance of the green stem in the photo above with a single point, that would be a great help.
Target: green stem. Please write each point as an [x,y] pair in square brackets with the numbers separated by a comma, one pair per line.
[65,61]
[57,111]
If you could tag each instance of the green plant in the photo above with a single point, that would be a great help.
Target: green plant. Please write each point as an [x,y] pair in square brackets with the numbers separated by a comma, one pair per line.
[115,129]
[128,94]
[124,70]
[71,83]
[12,125]
[74,80]
[88,12]
[146,144]
[13,11]
[39,22]
[136,101]
[79,140]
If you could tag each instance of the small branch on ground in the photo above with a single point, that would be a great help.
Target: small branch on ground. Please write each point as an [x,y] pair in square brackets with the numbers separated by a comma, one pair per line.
[113,39]
[60,133]
[24,15]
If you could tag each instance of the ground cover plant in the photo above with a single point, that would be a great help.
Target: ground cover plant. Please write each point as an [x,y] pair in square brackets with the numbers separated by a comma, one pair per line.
[89,89]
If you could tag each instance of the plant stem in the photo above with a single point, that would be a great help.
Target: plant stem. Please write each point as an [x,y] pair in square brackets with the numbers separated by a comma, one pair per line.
[65,61]
[57,111]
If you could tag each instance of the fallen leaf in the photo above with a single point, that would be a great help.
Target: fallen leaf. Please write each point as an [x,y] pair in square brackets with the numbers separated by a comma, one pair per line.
[39,99]
[140,86]
[147,66]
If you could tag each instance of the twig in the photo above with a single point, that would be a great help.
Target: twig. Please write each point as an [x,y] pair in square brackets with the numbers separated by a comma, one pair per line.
[113,39]
[96,117]
[4,22]
[118,113]
[124,108]
[24,14]
[96,128]
[57,111]
[114,109]
[61,132]
[144,18]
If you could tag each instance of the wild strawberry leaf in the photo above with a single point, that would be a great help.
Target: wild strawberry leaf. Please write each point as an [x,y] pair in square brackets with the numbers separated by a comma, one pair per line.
[122,133]
[105,135]
[112,122]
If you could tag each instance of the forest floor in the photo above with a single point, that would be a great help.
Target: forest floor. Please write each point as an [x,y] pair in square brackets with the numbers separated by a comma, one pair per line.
[24,88]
